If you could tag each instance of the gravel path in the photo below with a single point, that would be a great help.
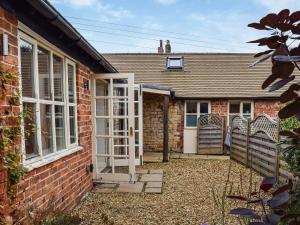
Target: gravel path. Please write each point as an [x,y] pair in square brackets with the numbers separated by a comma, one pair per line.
[186,199]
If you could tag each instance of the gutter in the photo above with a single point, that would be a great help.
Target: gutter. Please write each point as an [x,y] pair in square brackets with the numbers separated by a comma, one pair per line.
[47,10]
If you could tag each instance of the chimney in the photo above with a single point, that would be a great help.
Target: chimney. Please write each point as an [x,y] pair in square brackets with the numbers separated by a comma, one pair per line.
[160,49]
[168,47]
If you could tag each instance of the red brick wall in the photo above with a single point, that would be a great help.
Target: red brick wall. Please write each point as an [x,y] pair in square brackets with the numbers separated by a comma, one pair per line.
[8,25]
[65,179]
[220,107]
[269,107]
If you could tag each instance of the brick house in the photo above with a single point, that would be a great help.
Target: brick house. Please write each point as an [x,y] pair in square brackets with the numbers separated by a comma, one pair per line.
[55,66]
[94,115]
[220,83]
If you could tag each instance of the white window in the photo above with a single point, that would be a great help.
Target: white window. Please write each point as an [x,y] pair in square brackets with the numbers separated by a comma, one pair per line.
[193,110]
[243,108]
[175,63]
[48,101]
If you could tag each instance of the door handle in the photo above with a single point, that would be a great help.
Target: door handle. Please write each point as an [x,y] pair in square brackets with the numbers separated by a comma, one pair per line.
[131,132]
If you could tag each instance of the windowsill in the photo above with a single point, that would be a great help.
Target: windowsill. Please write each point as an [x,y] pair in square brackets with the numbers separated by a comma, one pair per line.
[31,165]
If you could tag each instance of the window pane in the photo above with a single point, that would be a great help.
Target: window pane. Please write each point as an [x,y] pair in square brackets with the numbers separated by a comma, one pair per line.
[204,108]
[247,108]
[102,107]
[58,78]
[234,108]
[191,121]
[72,124]
[191,107]
[31,146]
[46,129]
[44,73]
[60,127]
[26,51]
[102,88]
[71,79]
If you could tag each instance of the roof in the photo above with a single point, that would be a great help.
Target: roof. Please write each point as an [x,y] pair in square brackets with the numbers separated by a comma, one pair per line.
[44,19]
[205,75]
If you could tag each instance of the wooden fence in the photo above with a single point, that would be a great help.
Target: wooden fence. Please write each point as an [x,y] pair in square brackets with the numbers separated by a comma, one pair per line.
[210,136]
[254,144]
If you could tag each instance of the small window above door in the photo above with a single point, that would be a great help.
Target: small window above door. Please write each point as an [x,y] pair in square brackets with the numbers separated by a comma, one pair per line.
[174,63]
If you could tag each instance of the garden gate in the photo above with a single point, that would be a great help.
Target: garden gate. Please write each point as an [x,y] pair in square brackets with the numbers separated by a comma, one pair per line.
[254,144]
[210,136]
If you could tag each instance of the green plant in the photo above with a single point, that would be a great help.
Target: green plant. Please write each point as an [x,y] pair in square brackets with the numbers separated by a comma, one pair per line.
[284,52]
[15,171]
[290,123]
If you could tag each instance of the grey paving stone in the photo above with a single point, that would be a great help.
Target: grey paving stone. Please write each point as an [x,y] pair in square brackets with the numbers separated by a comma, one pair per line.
[130,188]
[103,190]
[142,171]
[151,177]
[156,171]
[153,184]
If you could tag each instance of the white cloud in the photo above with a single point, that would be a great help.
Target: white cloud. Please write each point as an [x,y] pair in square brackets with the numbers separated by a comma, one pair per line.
[166,2]
[79,3]
[277,5]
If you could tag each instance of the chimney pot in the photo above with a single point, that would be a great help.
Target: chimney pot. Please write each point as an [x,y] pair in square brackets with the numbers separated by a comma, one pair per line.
[168,47]
[160,49]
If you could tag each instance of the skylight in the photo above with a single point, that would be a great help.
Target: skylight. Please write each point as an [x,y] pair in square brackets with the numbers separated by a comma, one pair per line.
[175,63]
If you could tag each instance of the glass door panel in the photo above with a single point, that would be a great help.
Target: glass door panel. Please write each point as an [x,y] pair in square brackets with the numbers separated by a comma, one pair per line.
[114,131]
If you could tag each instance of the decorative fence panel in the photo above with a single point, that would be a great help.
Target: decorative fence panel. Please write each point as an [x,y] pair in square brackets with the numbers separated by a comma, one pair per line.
[239,139]
[254,144]
[262,147]
[210,136]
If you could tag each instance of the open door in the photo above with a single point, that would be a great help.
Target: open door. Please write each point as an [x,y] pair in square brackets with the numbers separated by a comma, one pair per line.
[114,127]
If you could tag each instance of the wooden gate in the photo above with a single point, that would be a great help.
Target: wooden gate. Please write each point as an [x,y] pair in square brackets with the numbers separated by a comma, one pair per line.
[210,136]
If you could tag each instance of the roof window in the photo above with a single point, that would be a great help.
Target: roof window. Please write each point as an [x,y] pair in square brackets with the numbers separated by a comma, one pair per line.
[175,63]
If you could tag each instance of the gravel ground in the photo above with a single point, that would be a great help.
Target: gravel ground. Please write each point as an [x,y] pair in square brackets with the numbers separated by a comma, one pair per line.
[186,199]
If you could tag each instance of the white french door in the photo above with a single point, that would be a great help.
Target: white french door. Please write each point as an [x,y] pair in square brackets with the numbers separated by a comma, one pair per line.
[114,127]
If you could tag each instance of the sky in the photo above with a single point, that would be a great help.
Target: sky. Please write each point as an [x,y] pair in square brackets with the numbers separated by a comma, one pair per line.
[114,26]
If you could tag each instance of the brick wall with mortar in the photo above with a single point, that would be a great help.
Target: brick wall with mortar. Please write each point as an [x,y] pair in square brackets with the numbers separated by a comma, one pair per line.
[66,179]
[269,107]
[153,119]
[220,107]
[153,123]
[8,113]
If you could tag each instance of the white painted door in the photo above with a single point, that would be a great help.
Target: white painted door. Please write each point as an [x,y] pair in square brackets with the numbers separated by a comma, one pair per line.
[192,111]
[114,136]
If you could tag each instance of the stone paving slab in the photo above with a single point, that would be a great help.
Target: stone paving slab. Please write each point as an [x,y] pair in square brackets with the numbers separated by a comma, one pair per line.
[153,190]
[103,190]
[130,188]
[142,171]
[154,185]
[106,185]
[151,178]
[156,171]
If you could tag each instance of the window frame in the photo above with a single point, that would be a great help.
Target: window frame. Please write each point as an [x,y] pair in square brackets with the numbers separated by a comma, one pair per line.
[40,159]
[241,104]
[198,111]
[170,68]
